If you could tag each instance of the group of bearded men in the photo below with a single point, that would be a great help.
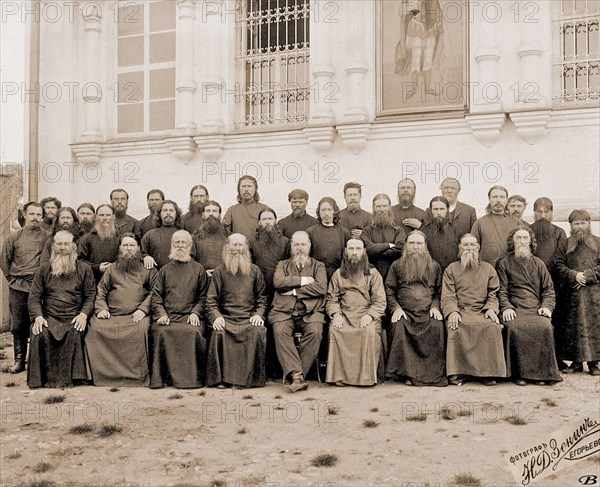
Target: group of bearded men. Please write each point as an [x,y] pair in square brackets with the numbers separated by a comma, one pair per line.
[425,297]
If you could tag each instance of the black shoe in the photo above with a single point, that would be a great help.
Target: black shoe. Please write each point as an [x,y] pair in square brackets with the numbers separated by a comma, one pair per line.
[521,382]
[456,380]
[488,382]
[573,368]
[593,368]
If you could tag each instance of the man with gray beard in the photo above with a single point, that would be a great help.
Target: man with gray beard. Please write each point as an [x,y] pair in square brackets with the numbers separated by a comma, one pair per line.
[236,307]
[117,338]
[66,219]
[178,297]
[526,301]
[100,247]
[470,306]
[60,301]
[413,287]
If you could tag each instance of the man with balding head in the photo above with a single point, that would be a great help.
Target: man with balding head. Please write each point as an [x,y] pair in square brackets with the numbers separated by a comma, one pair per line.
[460,215]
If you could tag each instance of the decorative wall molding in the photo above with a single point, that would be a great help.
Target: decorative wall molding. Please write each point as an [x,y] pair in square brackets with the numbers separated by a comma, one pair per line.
[87,152]
[486,127]
[321,138]
[531,126]
[354,136]
[182,147]
[210,146]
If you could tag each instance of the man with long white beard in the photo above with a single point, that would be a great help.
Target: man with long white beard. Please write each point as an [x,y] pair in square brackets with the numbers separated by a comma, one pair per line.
[470,306]
[236,307]
[117,338]
[178,297]
[66,219]
[100,247]
[60,301]
[442,241]
[355,304]
[526,301]
[210,237]
[413,288]
[577,264]
[299,304]
[194,217]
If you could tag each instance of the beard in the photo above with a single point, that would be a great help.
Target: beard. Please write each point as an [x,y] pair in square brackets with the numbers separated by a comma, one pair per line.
[48,220]
[298,212]
[415,266]
[269,236]
[406,200]
[440,222]
[129,263]
[180,255]
[63,264]
[469,259]
[73,229]
[86,226]
[384,219]
[581,235]
[353,207]
[210,226]
[120,213]
[196,207]
[299,257]
[106,230]
[522,251]
[237,263]
[543,230]
[354,266]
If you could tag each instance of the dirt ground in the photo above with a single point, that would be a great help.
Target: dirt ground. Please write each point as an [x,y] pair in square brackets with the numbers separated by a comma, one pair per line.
[388,435]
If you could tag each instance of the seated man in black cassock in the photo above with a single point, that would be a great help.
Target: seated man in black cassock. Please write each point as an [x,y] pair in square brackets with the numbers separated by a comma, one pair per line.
[60,301]
[179,347]
[236,306]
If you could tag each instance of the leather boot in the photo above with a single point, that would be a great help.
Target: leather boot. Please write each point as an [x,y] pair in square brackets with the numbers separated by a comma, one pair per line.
[19,347]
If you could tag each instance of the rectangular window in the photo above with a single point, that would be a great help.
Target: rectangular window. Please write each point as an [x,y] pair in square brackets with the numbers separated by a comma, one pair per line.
[576,62]
[273,61]
[146,66]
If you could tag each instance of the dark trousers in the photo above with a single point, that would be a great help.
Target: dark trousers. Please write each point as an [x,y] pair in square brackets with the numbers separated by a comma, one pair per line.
[19,313]
[294,359]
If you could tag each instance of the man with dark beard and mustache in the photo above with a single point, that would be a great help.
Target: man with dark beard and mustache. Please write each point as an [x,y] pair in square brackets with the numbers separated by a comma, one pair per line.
[236,306]
[119,199]
[299,304]
[442,241]
[470,306]
[51,205]
[100,247]
[526,301]
[117,338]
[547,235]
[406,214]
[86,214]
[60,301]
[298,220]
[178,297]
[577,264]
[210,237]
[413,287]
[353,217]
[154,199]
[192,220]
[355,305]
[243,217]
[383,239]
[66,219]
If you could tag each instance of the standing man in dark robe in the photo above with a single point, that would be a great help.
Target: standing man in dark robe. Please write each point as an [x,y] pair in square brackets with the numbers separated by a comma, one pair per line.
[353,217]
[193,218]
[156,244]
[243,217]
[100,247]
[117,338]
[66,219]
[299,304]
[355,304]
[236,307]
[413,288]
[60,302]
[51,205]
[328,237]
[577,265]
[406,214]
[86,214]
[210,237]
[547,235]
[119,199]
[442,241]
[470,306]
[526,302]
[298,220]
[154,199]
[516,206]
[178,297]
[19,261]
[492,229]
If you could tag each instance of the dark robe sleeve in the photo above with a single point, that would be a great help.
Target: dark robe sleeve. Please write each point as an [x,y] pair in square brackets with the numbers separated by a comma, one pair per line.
[546,288]
[84,250]
[36,293]
[560,265]
[373,249]
[449,300]
[201,290]
[104,286]
[391,283]
[228,221]
[145,246]
[6,256]
[503,291]
[377,294]
[158,304]
[46,251]
[493,286]
[437,289]
[332,305]
[89,290]
[212,297]
[260,294]
[146,304]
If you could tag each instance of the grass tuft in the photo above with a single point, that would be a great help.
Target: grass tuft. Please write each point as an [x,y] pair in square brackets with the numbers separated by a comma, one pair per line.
[10,384]
[202,393]
[81,429]
[13,456]
[242,431]
[109,429]
[370,423]
[332,410]
[324,460]
[42,467]
[419,417]
[515,420]
[549,402]
[55,399]
[218,483]
[114,389]
[374,410]
[466,479]
[248,396]
[278,396]
[449,414]
[175,396]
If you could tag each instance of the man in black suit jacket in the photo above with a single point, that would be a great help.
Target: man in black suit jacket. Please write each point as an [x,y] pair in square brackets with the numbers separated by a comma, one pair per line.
[462,216]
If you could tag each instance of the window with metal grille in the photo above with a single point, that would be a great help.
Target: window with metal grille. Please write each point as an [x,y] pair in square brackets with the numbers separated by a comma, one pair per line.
[273,61]
[576,61]
[145,66]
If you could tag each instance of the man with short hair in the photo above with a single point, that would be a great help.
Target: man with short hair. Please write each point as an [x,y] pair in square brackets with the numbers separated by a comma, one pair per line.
[577,265]
[51,205]
[406,214]
[65,219]
[461,216]
[236,307]
[299,304]
[442,240]
[119,199]
[516,206]
[86,214]
[154,199]
[355,304]
[526,302]
[117,338]
[178,297]
[413,287]
[193,218]
[19,261]
[547,235]
[243,217]
[470,306]
[100,247]
[492,229]
[353,217]
[210,237]
[60,302]
[298,220]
